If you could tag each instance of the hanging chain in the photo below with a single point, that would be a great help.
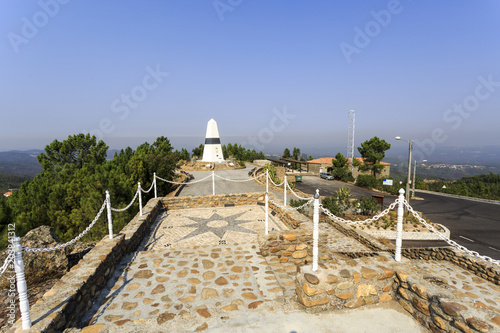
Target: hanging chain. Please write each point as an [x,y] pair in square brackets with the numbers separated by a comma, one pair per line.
[130,204]
[60,246]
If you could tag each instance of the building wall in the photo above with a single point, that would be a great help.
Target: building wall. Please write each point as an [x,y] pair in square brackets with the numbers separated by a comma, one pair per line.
[323,167]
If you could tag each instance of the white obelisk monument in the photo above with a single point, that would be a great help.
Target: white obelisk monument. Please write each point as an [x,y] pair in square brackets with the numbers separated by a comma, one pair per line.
[213,150]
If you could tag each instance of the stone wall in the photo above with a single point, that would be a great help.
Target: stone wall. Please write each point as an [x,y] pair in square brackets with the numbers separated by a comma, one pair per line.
[291,218]
[439,310]
[295,246]
[475,265]
[72,296]
[348,285]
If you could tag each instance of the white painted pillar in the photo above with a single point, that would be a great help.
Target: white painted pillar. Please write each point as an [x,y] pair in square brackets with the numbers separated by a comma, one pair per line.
[110,220]
[22,290]
[399,227]
[267,202]
[154,180]
[285,184]
[213,182]
[315,231]
[140,198]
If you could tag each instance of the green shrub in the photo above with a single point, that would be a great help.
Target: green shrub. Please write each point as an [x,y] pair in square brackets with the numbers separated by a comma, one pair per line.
[368,181]
[366,205]
[298,203]
[339,202]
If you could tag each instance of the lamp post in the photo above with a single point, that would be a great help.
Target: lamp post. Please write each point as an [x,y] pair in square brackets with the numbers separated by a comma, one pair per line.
[413,181]
[410,147]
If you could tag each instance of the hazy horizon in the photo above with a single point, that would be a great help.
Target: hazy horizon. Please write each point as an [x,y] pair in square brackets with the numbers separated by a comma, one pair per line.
[272,74]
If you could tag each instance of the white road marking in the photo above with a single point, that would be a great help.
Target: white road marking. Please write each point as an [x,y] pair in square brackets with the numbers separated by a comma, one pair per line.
[470,240]
[494,248]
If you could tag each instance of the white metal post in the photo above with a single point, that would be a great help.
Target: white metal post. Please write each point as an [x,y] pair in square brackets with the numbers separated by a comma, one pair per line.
[154,180]
[140,198]
[315,231]
[22,290]
[284,192]
[213,182]
[399,228]
[267,202]
[110,220]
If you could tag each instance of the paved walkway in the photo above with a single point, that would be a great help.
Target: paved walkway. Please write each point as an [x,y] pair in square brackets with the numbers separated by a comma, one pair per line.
[200,269]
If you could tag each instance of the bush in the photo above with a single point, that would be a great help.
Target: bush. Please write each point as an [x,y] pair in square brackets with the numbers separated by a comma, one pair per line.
[366,205]
[368,181]
[339,202]
[298,203]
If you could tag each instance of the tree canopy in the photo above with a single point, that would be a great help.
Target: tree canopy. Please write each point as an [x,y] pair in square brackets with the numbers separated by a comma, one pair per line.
[373,151]
[70,190]
[340,168]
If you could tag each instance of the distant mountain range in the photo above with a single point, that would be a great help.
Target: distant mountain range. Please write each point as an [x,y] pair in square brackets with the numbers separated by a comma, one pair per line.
[20,163]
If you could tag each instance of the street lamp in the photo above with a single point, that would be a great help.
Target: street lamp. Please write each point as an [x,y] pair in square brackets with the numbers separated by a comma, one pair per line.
[409,167]
[413,181]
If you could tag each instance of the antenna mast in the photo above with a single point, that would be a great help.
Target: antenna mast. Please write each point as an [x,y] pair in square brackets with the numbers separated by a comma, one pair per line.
[350,139]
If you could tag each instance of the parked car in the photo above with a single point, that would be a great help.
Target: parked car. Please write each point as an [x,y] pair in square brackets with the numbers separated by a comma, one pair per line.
[326,175]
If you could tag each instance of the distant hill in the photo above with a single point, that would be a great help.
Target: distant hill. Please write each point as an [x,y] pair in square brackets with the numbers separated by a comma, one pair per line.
[20,163]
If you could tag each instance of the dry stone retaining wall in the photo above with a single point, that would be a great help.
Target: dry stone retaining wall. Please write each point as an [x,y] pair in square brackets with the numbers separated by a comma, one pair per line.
[439,310]
[294,246]
[349,284]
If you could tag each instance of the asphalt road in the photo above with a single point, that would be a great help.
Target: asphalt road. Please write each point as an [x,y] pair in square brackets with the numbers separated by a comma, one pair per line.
[474,225]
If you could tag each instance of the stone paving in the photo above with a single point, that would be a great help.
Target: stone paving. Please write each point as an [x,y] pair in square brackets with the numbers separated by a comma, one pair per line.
[200,268]
[210,226]
[193,265]
[465,286]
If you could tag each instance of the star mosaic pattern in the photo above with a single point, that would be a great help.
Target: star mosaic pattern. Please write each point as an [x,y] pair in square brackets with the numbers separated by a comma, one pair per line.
[217,224]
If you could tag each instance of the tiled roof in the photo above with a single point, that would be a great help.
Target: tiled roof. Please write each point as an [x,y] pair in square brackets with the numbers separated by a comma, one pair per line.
[328,160]
[7,194]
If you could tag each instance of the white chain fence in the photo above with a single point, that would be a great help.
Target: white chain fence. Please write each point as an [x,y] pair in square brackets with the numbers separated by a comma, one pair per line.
[9,258]
[277,185]
[292,208]
[150,188]
[60,246]
[298,196]
[447,240]
[130,204]
[240,180]
[373,219]
[184,183]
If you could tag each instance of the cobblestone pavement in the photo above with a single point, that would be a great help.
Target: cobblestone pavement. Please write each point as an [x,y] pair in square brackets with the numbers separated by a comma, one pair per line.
[199,269]
[210,226]
[193,265]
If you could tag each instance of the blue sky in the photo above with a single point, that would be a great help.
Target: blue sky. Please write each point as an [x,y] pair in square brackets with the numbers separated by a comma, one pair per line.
[273,74]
